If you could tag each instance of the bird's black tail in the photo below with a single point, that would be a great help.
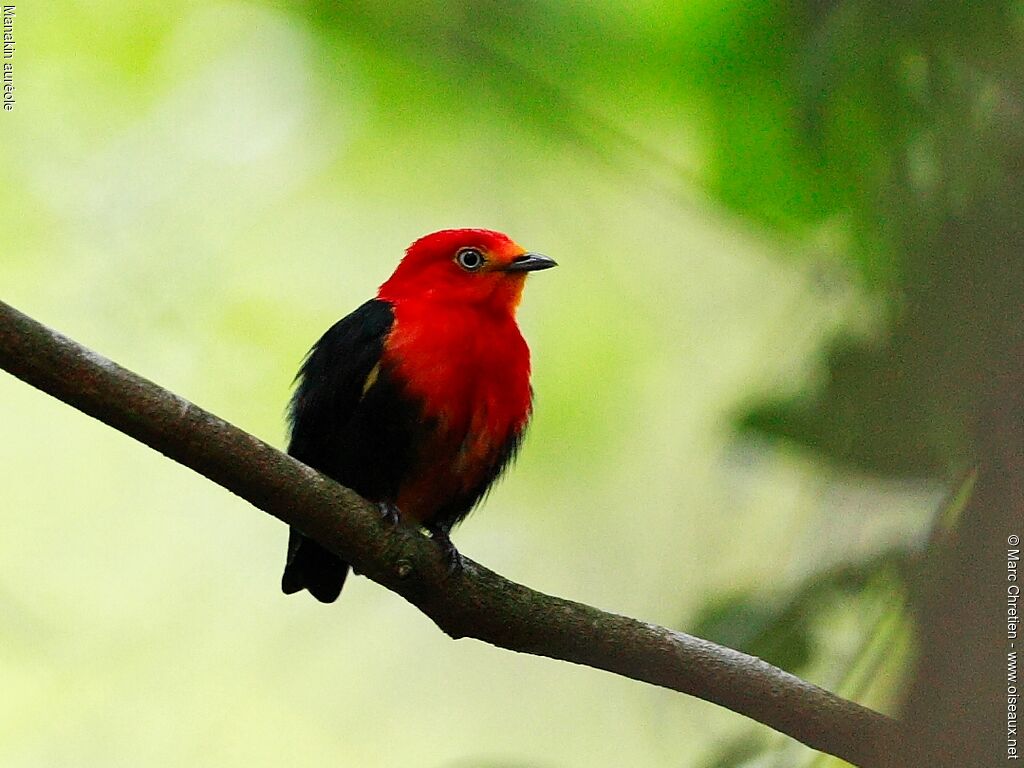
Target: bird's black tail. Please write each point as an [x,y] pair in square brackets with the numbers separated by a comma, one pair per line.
[312,567]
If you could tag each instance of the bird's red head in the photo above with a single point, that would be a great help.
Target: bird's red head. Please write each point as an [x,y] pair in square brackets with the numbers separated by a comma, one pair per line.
[469,266]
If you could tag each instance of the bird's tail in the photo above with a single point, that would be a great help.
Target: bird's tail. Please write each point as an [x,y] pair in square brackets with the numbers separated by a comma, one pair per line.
[312,567]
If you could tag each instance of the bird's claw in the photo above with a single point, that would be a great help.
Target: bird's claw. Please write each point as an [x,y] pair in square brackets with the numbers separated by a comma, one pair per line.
[388,513]
[448,550]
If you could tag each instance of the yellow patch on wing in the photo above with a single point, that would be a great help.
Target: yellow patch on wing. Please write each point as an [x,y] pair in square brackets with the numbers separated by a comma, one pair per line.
[371,379]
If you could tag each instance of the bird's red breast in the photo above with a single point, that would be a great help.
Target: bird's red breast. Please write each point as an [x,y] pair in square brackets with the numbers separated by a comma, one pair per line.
[457,349]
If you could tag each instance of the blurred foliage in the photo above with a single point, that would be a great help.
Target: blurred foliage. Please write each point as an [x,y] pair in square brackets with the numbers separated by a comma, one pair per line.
[782,631]
[786,217]
[902,136]
[787,630]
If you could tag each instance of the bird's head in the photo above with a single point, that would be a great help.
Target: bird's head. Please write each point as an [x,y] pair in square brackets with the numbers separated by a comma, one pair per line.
[472,266]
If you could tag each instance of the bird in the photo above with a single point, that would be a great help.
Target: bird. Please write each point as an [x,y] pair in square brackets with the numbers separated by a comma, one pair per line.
[419,399]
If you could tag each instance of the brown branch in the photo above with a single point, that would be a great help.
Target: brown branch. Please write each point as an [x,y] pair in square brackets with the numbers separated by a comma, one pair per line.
[475,603]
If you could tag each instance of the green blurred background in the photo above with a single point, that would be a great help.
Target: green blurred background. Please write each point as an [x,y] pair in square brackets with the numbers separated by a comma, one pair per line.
[774,221]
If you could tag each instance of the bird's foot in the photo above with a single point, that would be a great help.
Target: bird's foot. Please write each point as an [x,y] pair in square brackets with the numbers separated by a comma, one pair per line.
[448,550]
[388,513]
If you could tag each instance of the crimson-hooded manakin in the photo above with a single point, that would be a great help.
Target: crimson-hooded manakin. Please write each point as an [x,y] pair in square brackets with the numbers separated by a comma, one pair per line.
[417,400]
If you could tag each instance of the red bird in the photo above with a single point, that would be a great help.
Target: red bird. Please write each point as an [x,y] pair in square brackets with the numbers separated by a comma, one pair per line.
[418,400]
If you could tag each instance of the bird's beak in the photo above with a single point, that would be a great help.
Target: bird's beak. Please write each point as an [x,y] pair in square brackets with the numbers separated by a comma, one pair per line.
[530,262]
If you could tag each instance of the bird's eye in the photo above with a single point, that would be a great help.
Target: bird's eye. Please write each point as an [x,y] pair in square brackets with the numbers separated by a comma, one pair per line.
[470,259]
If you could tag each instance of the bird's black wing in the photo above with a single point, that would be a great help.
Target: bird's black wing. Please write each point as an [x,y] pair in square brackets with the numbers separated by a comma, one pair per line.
[332,380]
[349,423]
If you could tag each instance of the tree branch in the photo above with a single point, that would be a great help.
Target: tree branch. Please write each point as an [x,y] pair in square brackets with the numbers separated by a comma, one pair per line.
[475,603]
